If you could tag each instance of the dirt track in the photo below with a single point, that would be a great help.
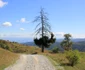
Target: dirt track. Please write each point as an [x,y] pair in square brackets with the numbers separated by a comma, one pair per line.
[32,62]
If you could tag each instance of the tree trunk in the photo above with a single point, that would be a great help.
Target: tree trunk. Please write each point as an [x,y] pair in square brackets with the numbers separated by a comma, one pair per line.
[42,48]
[42,22]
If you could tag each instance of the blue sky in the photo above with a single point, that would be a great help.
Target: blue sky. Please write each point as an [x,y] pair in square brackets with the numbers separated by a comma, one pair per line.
[65,16]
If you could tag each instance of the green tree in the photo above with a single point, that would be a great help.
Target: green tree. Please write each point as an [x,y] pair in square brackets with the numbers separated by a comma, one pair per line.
[43,31]
[67,43]
[55,50]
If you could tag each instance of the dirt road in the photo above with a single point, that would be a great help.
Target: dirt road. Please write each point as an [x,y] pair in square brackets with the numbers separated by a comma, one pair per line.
[32,62]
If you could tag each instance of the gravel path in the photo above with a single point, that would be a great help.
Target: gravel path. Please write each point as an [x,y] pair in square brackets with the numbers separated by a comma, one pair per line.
[32,62]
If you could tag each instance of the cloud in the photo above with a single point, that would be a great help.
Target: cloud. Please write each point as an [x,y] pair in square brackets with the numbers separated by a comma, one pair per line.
[23,20]
[18,35]
[59,34]
[78,35]
[31,35]
[7,24]
[2,3]
[22,29]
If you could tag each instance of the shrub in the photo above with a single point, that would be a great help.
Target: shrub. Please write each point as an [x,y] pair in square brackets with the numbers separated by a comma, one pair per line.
[55,50]
[4,46]
[73,57]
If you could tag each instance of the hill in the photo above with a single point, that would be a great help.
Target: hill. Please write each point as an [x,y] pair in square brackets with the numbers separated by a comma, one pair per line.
[7,58]
[24,40]
[18,48]
[9,52]
[77,44]
[80,45]
[8,55]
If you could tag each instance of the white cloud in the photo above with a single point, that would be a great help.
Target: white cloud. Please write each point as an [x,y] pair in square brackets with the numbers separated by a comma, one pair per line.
[19,35]
[59,34]
[23,20]
[31,35]
[78,35]
[2,3]
[22,29]
[7,24]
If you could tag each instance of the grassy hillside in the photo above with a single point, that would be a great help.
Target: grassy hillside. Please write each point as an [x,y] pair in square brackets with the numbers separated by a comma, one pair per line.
[9,50]
[18,48]
[7,58]
[61,59]
[8,55]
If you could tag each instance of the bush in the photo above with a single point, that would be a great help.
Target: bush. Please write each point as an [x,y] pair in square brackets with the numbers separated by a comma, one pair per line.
[73,57]
[55,50]
[4,46]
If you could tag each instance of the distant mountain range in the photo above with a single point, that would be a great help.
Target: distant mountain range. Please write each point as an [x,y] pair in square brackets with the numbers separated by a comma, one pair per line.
[24,40]
[78,44]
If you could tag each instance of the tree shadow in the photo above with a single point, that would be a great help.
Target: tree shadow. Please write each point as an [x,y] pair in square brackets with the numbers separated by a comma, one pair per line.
[65,64]
[34,53]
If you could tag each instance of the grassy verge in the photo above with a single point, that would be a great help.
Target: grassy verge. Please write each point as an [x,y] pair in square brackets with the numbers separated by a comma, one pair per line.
[59,59]
[55,63]
[7,58]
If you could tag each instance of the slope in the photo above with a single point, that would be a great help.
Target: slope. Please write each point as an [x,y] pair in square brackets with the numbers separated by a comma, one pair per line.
[18,48]
[7,58]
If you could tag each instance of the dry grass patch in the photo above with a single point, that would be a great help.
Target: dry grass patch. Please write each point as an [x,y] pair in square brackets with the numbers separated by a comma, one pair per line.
[7,58]
[18,48]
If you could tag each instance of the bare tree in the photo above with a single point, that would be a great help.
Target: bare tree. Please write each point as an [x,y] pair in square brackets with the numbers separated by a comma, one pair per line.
[43,31]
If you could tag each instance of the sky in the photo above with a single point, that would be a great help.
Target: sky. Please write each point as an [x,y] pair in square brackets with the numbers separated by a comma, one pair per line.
[65,16]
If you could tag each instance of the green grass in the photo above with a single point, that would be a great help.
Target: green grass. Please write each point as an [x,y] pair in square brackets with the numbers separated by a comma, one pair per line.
[56,65]
[60,59]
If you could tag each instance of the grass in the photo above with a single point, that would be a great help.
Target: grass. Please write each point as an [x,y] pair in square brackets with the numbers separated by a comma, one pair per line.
[60,59]
[56,65]
[7,58]
[19,48]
